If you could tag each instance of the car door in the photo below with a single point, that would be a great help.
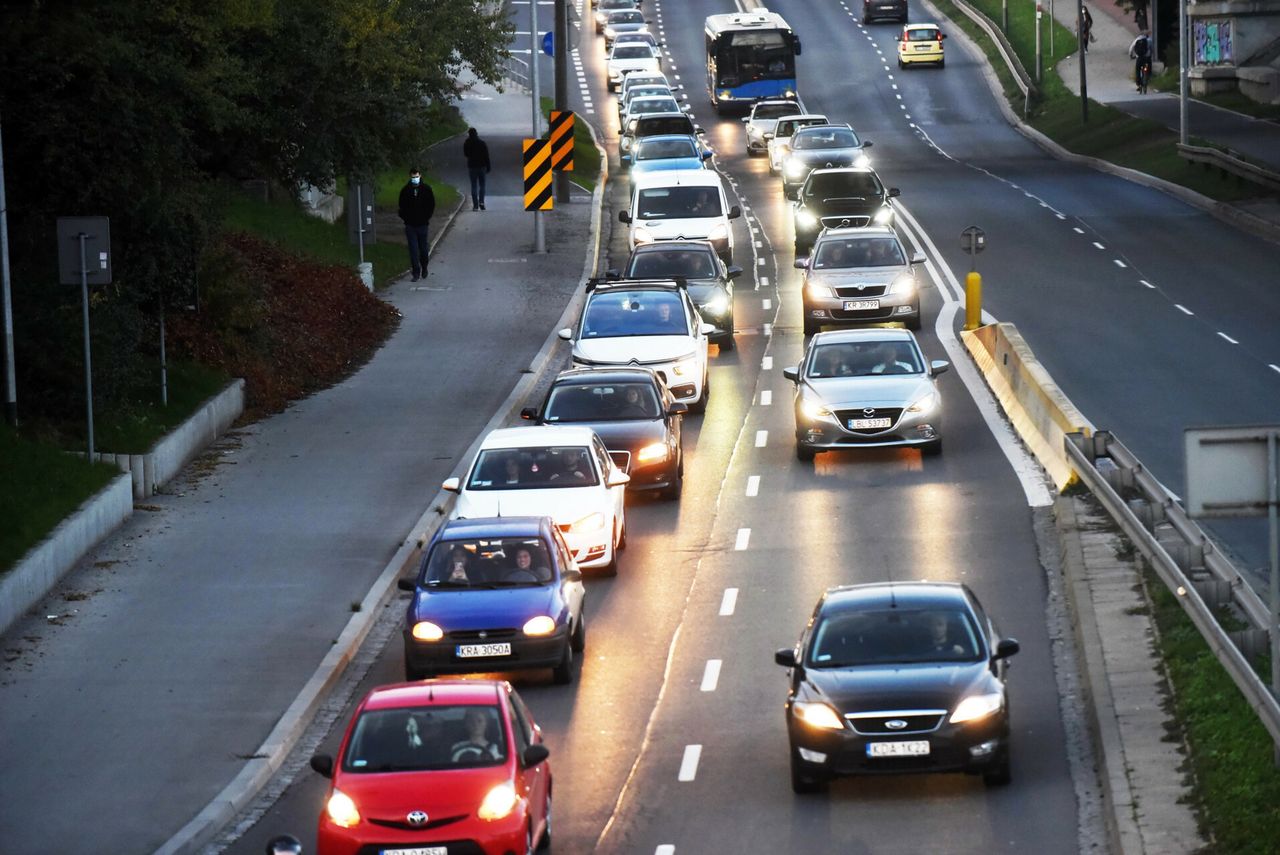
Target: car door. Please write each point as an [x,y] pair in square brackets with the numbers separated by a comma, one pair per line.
[700,339]
[607,468]
[533,782]
[573,591]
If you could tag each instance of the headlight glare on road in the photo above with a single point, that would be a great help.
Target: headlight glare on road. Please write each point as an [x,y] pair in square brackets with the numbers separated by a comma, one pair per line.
[540,625]
[805,220]
[342,810]
[817,714]
[884,216]
[975,707]
[652,453]
[425,630]
[498,803]
[814,410]
[925,403]
[591,522]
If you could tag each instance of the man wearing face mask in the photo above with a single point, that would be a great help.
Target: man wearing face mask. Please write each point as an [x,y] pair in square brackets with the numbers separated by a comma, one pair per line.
[417,204]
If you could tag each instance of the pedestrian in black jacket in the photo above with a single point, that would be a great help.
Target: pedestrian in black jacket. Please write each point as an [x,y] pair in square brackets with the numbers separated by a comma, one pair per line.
[417,204]
[477,154]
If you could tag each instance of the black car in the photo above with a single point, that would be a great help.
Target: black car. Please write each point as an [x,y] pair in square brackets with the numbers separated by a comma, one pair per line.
[873,9]
[898,677]
[821,147]
[633,413]
[840,199]
[709,280]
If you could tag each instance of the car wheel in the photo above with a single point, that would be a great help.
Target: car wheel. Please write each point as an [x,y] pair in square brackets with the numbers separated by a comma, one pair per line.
[914,324]
[610,569]
[998,775]
[933,449]
[866,19]
[901,64]
[805,453]
[578,641]
[544,845]
[727,343]
[562,674]
[622,536]
[942,63]
[811,327]
[803,783]
[700,405]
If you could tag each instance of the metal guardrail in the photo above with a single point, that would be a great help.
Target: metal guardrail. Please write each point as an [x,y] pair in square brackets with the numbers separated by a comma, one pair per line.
[517,71]
[1195,570]
[1020,75]
[1230,163]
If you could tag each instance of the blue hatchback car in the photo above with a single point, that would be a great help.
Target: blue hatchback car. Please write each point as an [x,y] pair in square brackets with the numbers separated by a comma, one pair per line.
[495,594]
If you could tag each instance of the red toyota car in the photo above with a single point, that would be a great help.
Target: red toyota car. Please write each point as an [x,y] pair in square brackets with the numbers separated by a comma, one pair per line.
[440,767]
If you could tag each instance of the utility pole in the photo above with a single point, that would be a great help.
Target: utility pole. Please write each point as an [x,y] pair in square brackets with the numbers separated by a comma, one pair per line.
[539,227]
[560,46]
[1184,68]
[10,375]
[1082,39]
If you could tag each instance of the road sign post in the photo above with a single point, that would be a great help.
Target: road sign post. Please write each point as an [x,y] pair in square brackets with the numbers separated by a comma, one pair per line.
[79,240]
[560,43]
[537,185]
[973,240]
[560,135]
[10,373]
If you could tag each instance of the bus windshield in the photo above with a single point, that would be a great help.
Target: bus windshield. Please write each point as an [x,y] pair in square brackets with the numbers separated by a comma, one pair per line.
[759,55]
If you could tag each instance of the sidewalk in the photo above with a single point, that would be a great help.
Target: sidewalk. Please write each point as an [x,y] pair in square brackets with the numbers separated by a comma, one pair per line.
[200,621]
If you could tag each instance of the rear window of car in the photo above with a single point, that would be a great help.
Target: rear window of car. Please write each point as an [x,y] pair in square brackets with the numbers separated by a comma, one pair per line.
[787,127]
[773,111]
[664,125]
[842,185]
[656,203]
[824,138]
[538,468]
[652,105]
[669,263]
[893,637]
[658,149]
[922,35]
[479,562]
[626,16]
[632,313]
[602,402]
[419,738]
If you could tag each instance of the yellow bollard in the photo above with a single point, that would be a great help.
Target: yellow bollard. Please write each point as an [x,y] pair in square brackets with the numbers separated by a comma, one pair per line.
[973,300]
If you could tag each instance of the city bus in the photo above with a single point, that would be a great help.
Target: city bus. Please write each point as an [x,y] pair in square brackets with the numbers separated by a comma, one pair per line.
[750,55]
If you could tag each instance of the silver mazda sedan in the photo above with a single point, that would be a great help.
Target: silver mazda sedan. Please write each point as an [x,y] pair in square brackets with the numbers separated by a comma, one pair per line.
[866,388]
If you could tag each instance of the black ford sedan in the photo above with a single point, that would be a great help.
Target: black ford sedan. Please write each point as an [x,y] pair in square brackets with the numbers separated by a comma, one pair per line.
[634,414]
[898,677]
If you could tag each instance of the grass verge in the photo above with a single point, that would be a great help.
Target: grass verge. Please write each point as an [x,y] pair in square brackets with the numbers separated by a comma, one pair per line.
[40,486]
[586,158]
[134,432]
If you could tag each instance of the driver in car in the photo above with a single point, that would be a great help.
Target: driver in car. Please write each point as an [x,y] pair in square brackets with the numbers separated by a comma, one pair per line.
[477,745]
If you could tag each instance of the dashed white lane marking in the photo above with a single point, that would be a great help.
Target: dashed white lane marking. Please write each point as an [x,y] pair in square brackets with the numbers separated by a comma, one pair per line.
[766,364]
[766,397]
[1060,216]
[711,676]
[753,483]
[728,602]
[1098,245]
[665,849]
[760,261]
[762,438]
[1228,339]
[1145,282]
[1274,367]
[768,330]
[689,765]
[1077,230]
[764,281]
[744,538]
[759,244]
[1119,263]
[1183,309]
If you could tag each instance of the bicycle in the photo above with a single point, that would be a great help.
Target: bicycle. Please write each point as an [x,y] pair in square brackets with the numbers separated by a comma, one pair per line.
[1144,75]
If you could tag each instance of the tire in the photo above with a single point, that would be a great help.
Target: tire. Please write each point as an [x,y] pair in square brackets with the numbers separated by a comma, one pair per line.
[804,453]
[914,324]
[804,784]
[727,343]
[901,64]
[610,569]
[562,674]
[866,20]
[932,449]
[811,327]
[578,641]
[672,491]
[999,775]
[622,535]
[700,405]
[942,63]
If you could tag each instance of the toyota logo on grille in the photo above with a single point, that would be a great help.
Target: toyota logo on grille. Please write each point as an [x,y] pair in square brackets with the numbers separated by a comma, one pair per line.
[868,411]
[895,724]
[416,818]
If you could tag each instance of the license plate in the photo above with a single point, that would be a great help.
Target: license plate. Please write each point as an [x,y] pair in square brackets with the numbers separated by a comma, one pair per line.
[860,305]
[915,748]
[923,47]
[474,651]
[421,850]
[864,424]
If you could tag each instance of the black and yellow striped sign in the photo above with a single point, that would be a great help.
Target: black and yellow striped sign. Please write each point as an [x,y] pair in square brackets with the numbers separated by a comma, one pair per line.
[561,138]
[537,175]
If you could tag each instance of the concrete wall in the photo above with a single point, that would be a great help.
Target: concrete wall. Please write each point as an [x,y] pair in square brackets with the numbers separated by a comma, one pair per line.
[42,567]
[1038,410]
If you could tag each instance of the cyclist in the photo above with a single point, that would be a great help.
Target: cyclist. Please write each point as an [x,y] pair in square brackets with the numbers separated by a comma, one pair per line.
[1140,52]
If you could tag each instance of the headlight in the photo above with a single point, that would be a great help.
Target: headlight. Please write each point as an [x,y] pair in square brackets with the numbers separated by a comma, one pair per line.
[625,144]
[884,216]
[425,630]
[903,284]
[796,169]
[817,290]
[719,232]
[926,403]
[591,522]
[814,410]
[540,625]
[805,220]
[642,235]
[718,305]
[652,453]
[816,714]
[975,707]
[341,810]
[861,160]
[498,803]
[684,367]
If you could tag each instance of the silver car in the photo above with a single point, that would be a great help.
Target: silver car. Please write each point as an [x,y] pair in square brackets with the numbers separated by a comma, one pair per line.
[868,389]
[859,276]
[764,118]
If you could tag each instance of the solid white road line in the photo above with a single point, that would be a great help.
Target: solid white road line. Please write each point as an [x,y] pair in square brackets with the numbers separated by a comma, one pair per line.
[1228,339]
[1145,282]
[762,438]
[689,765]
[729,602]
[753,483]
[711,676]
[766,397]
[744,537]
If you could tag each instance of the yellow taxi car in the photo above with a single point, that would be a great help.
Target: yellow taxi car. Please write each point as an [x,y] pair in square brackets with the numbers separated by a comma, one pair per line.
[920,43]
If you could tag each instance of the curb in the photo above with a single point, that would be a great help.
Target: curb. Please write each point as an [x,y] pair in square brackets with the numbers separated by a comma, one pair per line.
[270,756]
[1227,213]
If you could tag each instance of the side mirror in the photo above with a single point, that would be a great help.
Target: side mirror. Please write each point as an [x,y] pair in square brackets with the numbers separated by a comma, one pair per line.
[453,485]
[768,135]
[573,574]
[801,263]
[733,272]
[677,408]
[323,764]
[792,374]
[617,479]
[894,192]
[407,584]
[941,36]
[566,334]
[706,328]
[918,258]
[792,193]
[746,120]
[625,158]
[529,414]
[1006,648]
[624,216]
[698,129]
[786,657]
[535,754]
[867,143]
[797,47]
[706,155]
[939,366]
[735,212]
[612,273]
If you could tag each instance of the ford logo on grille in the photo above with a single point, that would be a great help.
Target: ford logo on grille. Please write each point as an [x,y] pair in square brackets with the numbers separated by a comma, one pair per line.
[895,724]
[417,818]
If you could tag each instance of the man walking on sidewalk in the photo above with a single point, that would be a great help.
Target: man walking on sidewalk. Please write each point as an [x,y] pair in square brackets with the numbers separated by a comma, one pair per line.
[417,204]
[477,154]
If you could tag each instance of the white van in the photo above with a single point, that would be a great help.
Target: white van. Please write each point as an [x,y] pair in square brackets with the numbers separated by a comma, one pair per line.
[681,204]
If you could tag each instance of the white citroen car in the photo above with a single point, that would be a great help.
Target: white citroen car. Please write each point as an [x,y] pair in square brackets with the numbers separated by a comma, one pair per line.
[648,322]
[560,471]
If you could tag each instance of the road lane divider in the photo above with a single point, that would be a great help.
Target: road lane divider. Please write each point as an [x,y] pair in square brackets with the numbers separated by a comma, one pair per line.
[744,537]
[689,763]
[753,486]
[711,676]
[766,397]
[728,602]
[762,438]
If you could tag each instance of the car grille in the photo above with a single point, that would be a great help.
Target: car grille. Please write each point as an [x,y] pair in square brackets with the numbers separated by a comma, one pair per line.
[913,721]
[481,634]
[851,292]
[842,221]
[430,824]
[881,314]
[621,459]
[890,413]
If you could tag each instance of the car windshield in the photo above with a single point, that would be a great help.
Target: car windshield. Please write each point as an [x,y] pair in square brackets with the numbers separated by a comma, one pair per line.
[631,52]
[864,359]
[664,125]
[540,468]
[412,739]
[858,252]
[670,263]
[894,636]
[627,16]
[486,562]
[658,203]
[660,149]
[602,402]
[842,185]
[824,138]
[773,111]
[632,313]
[615,4]
[923,35]
[635,81]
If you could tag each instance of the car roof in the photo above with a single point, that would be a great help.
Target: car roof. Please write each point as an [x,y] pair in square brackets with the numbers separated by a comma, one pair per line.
[604,285]
[666,245]
[434,693]
[531,436]
[631,374]
[883,595]
[668,137]
[921,27]
[860,231]
[494,527]
[677,178]
[870,334]
[803,116]
[827,170]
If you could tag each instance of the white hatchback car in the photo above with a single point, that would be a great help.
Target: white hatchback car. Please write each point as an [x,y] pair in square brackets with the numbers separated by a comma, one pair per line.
[560,471]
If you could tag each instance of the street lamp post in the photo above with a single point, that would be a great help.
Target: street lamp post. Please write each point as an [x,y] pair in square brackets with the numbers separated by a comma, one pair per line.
[10,375]
[539,227]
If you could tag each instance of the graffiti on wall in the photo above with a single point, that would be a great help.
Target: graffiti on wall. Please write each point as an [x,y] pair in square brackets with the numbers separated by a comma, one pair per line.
[1213,42]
